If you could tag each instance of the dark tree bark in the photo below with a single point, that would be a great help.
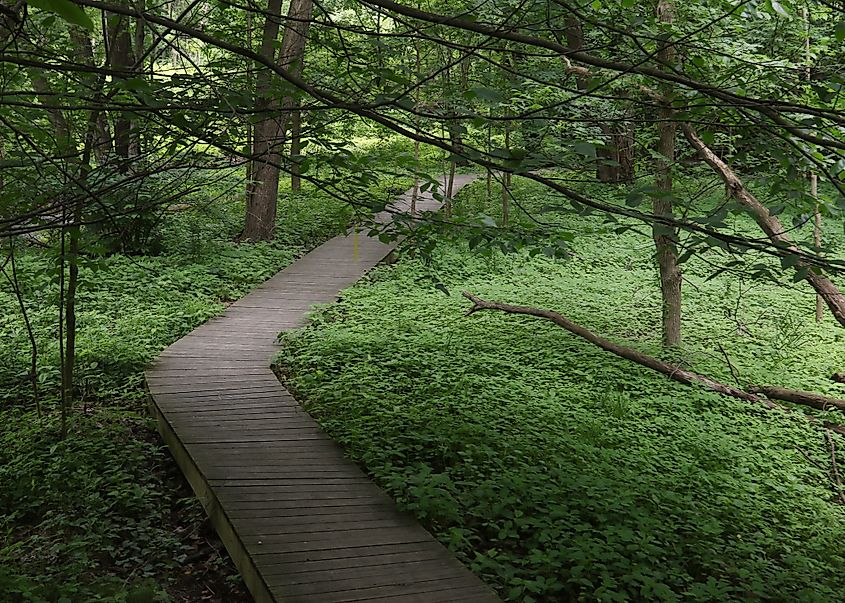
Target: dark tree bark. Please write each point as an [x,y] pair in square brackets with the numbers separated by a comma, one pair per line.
[121,60]
[270,132]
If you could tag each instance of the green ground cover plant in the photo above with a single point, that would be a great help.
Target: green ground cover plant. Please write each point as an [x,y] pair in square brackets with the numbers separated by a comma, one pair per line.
[104,515]
[557,471]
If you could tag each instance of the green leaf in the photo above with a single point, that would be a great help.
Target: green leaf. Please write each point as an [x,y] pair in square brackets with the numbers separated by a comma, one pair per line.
[67,10]
[788,261]
[587,149]
[776,6]
[489,94]
[800,274]
[839,31]
[135,83]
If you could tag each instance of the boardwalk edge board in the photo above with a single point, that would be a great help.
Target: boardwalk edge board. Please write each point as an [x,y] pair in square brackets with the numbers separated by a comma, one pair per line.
[302,522]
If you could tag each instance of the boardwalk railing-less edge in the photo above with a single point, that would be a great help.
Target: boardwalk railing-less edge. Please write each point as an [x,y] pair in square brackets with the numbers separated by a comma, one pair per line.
[302,522]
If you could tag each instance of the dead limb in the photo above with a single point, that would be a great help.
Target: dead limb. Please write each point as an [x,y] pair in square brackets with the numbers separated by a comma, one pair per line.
[797,396]
[672,371]
[769,224]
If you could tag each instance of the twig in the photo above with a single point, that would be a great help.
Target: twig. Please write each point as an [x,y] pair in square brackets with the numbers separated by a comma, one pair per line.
[810,459]
[730,364]
[836,477]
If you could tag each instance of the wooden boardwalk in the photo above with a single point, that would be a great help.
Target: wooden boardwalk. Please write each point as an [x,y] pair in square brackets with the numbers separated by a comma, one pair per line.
[302,522]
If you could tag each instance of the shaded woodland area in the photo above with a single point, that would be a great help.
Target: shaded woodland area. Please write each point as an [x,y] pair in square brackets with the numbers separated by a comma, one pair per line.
[609,369]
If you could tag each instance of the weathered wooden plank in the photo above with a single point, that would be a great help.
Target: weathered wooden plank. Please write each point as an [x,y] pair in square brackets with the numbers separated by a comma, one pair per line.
[348,582]
[311,512]
[397,592]
[354,559]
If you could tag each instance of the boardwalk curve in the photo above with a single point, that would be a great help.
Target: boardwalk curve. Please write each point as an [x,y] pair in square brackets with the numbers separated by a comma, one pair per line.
[301,521]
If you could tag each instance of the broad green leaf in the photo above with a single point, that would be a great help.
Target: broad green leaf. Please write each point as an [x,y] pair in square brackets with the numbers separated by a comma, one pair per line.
[778,8]
[489,94]
[67,10]
[587,149]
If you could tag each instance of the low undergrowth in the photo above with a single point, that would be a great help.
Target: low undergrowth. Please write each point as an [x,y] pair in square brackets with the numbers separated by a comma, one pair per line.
[104,515]
[558,471]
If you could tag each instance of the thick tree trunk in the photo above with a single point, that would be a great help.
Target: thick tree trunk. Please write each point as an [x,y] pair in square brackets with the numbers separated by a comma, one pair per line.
[769,224]
[575,43]
[665,238]
[270,133]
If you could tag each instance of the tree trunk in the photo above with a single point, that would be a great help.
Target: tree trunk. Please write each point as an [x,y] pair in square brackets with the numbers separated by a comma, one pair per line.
[575,43]
[250,84]
[798,396]
[121,60]
[135,149]
[665,238]
[506,183]
[817,236]
[102,142]
[295,149]
[270,132]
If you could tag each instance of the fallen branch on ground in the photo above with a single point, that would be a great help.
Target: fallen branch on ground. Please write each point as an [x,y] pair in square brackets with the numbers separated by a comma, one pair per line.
[798,397]
[672,371]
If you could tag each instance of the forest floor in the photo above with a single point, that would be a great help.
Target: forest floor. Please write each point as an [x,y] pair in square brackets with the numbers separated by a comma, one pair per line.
[556,470]
[105,514]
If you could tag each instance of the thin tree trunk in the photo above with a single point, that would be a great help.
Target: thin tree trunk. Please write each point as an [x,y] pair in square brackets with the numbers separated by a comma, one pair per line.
[70,314]
[506,182]
[817,237]
[415,193]
[33,344]
[665,238]
[250,84]
[814,178]
[135,149]
[121,60]
[270,133]
[489,153]
[66,387]
[450,186]
[295,148]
